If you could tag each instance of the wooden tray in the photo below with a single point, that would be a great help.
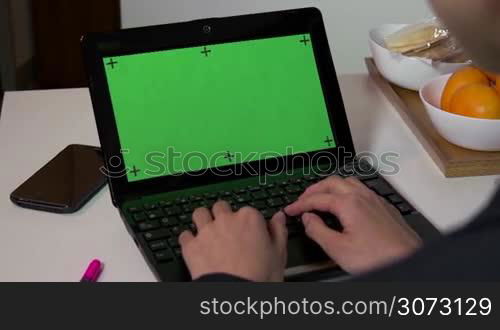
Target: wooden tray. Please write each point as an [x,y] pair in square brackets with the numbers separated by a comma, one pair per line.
[454,161]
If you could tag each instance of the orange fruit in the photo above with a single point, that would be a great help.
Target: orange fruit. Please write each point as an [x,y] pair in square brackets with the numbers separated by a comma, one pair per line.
[459,79]
[476,100]
[495,79]
[492,76]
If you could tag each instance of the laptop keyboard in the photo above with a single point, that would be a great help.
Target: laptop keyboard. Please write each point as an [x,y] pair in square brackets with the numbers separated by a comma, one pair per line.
[160,223]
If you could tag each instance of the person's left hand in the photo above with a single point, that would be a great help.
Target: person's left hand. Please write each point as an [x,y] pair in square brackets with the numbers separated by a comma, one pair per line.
[237,243]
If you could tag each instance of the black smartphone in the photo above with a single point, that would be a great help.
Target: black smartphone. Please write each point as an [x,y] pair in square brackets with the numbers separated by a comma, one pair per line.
[66,183]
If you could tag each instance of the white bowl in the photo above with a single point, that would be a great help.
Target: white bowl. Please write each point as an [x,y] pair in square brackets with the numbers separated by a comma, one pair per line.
[467,132]
[407,72]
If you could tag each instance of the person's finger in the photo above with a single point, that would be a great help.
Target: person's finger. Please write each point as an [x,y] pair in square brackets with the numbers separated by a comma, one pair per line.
[249,213]
[317,202]
[279,233]
[319,232]
[220,208]
[330,185]
[202,217]
[355,182]
[185,237]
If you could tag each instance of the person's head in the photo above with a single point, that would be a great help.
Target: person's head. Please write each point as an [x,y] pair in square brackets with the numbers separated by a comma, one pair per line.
[476,23]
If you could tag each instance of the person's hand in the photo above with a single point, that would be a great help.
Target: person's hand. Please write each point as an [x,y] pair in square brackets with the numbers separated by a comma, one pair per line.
[374,234]
[237,243]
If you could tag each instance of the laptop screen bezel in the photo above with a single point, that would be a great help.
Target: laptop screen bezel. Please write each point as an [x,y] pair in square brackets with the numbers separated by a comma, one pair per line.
[97,46]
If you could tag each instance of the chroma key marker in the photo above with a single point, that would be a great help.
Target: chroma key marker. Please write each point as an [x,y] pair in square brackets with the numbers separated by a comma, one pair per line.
[229,157]
[135,171]
[111,63]
[206,51]
[305,40]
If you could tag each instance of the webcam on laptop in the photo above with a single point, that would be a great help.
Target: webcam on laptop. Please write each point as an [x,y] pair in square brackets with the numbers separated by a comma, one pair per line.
[207,29]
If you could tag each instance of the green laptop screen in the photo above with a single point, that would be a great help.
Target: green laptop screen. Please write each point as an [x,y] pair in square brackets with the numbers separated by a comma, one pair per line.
[192,109]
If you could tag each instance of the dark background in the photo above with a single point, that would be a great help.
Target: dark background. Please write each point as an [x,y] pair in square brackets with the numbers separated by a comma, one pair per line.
[39,40]
[172,306]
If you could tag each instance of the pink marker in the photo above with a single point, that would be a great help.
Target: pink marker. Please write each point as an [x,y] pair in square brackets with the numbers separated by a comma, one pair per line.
[93,271]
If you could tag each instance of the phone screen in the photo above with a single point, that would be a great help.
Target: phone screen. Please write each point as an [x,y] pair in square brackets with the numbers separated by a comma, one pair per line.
[65,183]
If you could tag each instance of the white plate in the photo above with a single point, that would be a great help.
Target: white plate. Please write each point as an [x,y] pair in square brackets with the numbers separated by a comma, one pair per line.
[407,72]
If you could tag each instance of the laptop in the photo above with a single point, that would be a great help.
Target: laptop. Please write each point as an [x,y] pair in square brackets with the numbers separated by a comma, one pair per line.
[245,109]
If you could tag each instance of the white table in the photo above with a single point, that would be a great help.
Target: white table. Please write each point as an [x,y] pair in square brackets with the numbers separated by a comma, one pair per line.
[36,125]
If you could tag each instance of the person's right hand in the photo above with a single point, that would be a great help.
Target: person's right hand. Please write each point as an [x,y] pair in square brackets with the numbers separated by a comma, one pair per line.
[374,234]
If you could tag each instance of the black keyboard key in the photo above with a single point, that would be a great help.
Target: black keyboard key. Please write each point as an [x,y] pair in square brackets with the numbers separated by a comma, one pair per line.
[186,218]
[174,210]
[293,189]
[211,202]
[304,185]
[193,228]
[284,183]
[395,199]
[267,213]
[196,198]
[231,199]
[165,203]
[240,191]
[178,253]
[150,206]
[404,208]
[262,194]
[243,198]
[182,200]
[236,206]
[253,188]
[139,217]
[276,192]
[156,214]
[274,210]
[211,196]
[225,194]
[188,208]
[177,230]
[151,225]
[275,202]
[349,167]
[292,198]
[164,256]
[365,167]
[311,178]
[367,177]
[158,245]
[169,221]
[259,205]
[134,209]
[380,187]
[198,204]
[173,242]
[157,234]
